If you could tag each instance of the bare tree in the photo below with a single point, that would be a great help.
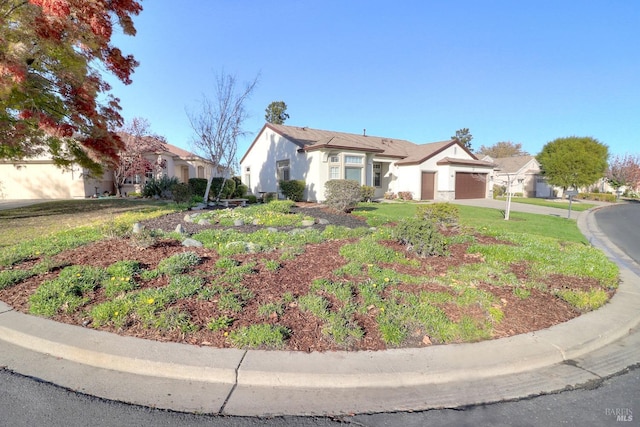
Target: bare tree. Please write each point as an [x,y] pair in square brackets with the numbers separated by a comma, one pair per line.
[218,124]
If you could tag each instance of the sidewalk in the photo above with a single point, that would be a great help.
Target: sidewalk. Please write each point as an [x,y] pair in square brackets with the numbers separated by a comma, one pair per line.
[237,382]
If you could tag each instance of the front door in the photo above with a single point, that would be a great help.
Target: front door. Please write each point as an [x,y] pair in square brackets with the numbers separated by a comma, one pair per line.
[427,191]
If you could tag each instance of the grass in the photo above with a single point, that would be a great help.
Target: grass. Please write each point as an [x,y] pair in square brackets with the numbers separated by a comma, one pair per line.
[366,284]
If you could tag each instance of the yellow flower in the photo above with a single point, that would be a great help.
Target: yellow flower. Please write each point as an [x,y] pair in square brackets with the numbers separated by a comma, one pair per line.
[226,334]
[150,301]
[113,278]
[116,313]
[381,308]
[374,285]
[386,279]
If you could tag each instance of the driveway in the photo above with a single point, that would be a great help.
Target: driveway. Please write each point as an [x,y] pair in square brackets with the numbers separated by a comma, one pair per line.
[19,203]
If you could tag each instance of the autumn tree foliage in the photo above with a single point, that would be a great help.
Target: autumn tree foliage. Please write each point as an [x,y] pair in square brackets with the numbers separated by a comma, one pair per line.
[502,149]
[139,142]
[624,171]
[53,99]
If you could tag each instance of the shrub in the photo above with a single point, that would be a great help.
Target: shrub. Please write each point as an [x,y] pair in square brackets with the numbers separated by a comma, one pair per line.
[405,195]
[252,199]
[198,186]
[342,194]
[228,186]
[240,191]
[367,193]
[160,187]
[443,215]
[421,237]
[293,189]
[180,193]
[389,195]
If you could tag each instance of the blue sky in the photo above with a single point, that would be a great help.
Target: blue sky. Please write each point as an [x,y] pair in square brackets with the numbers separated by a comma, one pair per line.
[526,71]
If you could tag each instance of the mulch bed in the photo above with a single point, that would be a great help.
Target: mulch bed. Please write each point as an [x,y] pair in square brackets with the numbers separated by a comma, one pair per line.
[540,310]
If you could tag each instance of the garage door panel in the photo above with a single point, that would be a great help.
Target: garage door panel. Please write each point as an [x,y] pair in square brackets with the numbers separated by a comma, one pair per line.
[471,185]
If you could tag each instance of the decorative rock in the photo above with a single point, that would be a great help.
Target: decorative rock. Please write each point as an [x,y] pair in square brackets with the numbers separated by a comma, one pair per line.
[272,229]
[256,222]
[192,243]
[180,229]
[323,221]
[203,222]
[137,228]
[307,222]
[199,206]
[187,218]
[238,222]
[296,231]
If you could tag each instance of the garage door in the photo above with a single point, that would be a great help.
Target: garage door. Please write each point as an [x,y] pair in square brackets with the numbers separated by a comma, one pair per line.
[471,185]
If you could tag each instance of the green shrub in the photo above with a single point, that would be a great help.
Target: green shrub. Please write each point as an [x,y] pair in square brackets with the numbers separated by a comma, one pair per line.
[120,277]
[198,186]
[160,187]
[240,191]
[178,263]
[367,193]
[293,189]
[342,194]
[228,186]
[421,237]
[180,193]
[443,215]
[251,199]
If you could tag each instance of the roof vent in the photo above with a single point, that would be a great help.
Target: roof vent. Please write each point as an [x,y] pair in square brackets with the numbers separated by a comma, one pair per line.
[364,132]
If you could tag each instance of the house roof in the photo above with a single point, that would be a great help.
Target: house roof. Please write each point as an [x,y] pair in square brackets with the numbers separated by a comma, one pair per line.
[468,162]
[513,164]
[407,152]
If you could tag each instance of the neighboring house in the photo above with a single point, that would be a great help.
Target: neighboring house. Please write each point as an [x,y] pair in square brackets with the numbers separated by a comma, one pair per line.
[437,171]
[176,162]
[39,178]
[522,174]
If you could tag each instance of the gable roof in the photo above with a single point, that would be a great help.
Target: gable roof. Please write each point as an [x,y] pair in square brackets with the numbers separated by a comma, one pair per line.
[512,164]
[407,152]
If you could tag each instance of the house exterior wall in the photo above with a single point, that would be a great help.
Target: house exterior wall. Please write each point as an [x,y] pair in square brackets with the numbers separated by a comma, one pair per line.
[41,179]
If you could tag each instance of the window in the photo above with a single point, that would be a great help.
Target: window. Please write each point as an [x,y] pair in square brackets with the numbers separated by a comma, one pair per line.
[334,159]
[353,174]
[283,170]
[377,174]
[136,179]
[334,172]
[355,160]
[247,177]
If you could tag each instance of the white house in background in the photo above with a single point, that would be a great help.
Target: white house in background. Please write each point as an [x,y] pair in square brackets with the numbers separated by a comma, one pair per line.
[39,178]
[439,171]
[522,174]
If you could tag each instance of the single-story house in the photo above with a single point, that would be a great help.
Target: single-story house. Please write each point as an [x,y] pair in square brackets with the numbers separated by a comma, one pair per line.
[436,171]
[39,178]
[521,175]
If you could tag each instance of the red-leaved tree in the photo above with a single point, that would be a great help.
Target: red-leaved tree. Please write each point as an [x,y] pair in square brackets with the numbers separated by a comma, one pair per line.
[624,171]
[139,144]
[53,99]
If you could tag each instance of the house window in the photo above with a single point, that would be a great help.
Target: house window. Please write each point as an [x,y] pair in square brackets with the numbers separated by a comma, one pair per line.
[247,177]
[355,160]
[334,172]
[283,170]
[136,179]
[353,174]
[377,174]
[334,159]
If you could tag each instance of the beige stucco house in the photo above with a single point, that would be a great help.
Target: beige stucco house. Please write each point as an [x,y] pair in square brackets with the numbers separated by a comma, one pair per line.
[520,175]
[436,171]
[39,178]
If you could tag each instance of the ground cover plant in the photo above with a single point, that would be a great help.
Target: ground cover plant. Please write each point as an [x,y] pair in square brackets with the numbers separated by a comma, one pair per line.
[304,277]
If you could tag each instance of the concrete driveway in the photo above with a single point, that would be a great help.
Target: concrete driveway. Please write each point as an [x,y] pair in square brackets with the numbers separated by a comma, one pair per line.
[19,203]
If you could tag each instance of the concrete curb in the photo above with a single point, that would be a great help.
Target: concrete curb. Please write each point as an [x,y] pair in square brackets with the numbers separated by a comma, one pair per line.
[270,382]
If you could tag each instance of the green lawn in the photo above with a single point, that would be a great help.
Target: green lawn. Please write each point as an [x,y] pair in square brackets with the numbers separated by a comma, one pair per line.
[576,205]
